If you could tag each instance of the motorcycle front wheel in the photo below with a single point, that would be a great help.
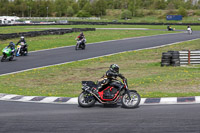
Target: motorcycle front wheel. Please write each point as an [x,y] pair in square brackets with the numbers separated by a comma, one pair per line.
[86,100]
[133,102]
[3,58]
[76,47]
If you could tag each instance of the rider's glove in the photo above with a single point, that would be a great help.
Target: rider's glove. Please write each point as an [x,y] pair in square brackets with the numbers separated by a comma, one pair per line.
[121,76]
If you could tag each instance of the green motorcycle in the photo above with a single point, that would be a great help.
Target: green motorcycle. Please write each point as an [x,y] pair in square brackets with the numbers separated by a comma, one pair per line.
[7,54]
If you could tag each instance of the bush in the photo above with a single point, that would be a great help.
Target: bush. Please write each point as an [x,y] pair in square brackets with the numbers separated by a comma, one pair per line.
[197,13]
[150,12]
[139,13]
[171,12]
[126,14]
[83,13]
[182,11]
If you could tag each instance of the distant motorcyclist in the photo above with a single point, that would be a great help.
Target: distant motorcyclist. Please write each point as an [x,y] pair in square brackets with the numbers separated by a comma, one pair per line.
[169,28]
[12,47]
[22,41]
[189,29]
[110,78]
[81,38]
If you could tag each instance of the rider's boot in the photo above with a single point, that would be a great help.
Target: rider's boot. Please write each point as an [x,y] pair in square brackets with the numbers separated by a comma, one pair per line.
[17,54]
[95,91]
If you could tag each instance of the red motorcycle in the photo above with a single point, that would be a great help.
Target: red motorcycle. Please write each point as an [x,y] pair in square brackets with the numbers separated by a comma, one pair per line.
[108,95]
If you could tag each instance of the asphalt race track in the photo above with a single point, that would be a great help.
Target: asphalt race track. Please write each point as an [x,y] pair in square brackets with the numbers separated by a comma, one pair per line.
[17,117]
[26,117]
[68,54]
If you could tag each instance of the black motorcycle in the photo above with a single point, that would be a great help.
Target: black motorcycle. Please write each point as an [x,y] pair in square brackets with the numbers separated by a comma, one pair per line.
[108,95]
[80,44]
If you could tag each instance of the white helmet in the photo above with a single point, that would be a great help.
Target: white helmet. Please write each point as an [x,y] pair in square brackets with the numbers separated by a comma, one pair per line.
[22,37]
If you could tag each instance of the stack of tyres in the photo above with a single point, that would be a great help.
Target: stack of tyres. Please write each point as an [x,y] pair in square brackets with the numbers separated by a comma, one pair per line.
[166,59]
[170,58]
[175,58]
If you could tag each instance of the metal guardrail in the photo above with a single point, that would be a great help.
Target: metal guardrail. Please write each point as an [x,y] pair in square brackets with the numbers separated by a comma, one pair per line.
[189,57]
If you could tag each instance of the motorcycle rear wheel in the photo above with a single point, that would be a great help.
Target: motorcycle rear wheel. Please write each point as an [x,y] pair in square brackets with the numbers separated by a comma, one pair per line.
[86,100]
[83,46]
[25,52]
[133,102]
[11,58]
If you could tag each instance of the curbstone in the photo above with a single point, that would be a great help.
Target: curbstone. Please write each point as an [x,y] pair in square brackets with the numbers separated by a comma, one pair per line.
[68,100]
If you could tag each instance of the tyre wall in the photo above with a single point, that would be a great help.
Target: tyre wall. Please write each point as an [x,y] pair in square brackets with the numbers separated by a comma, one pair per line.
[44,32]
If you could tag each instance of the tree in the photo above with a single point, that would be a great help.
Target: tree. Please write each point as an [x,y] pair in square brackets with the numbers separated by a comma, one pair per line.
[82,3]
[126,14]
[159,4]
[70,11]
[101,7]
[75,7]
[87,7]
[182,11]
[60,7]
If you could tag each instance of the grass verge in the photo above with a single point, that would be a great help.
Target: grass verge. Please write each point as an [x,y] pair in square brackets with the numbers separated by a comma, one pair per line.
[142,68]
[17,29]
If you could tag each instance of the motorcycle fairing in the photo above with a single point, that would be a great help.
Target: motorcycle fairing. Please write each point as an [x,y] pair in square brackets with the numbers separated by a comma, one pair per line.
[101,93]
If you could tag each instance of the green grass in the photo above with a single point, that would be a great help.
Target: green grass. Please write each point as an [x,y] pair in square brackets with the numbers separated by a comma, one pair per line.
[153,19]
[142,68]
[17,29]
[53,41]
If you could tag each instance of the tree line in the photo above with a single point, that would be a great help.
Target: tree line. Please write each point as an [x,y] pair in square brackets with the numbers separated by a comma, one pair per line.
[86,8]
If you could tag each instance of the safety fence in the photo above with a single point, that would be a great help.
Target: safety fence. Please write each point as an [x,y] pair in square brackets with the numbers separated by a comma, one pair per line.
[44,32]
[60,18]
[94,23]
[189,57]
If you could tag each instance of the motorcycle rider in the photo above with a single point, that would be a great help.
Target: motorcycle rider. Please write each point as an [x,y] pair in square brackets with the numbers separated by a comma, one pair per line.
[110,78]
[189,29]
[22,41]
[81,38]
[12,47]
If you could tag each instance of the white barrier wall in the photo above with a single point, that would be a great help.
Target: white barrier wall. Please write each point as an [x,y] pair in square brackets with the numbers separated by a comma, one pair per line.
[189,57]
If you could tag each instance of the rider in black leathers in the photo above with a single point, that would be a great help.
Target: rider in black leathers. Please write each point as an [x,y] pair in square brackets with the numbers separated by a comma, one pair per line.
[110,78]
[81,38]
[22,40]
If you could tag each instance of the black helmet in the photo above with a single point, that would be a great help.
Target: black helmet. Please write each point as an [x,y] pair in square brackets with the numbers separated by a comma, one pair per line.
[81,33]
[114,68]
